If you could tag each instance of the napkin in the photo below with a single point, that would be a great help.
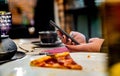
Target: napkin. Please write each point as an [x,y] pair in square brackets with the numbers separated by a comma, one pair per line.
[57,50]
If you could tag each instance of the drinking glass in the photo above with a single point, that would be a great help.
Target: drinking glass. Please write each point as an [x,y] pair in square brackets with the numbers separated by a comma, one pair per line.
[5,22]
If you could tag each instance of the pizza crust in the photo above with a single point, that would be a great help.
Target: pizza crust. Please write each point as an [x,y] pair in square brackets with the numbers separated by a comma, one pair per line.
[59,60]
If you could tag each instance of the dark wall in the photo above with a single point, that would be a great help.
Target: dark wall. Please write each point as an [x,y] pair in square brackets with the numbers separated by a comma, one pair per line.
[3,6]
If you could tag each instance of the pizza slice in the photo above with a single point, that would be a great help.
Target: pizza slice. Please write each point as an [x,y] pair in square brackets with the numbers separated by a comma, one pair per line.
[59,60]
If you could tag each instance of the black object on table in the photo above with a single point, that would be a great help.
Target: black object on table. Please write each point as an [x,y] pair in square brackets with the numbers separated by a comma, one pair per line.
[18,55]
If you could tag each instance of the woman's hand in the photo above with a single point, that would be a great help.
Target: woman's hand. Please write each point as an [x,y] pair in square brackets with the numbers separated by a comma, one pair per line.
[94,45]
[76,35]
[79,37]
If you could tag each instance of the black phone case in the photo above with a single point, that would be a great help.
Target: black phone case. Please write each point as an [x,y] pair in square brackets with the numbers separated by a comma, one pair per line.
[67,35]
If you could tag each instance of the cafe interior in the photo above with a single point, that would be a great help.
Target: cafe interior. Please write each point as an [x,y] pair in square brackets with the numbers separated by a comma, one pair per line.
[30,18]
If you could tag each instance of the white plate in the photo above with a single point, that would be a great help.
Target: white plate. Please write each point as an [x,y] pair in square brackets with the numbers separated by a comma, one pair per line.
[95,65]
[91,61]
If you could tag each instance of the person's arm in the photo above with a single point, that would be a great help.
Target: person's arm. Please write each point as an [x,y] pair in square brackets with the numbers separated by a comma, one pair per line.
[93,45]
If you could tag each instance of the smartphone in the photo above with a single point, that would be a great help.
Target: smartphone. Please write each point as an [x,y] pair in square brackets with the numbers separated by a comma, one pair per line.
[62,31]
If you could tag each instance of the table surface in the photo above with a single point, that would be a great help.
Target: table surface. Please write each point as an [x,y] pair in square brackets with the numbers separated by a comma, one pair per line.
[85,61]
[25,45]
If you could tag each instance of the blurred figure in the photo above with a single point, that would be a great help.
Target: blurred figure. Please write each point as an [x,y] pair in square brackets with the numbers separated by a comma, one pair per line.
[93,45]
[44,12]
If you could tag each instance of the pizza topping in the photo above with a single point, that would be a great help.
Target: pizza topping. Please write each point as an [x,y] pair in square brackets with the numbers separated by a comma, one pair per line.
[59,60]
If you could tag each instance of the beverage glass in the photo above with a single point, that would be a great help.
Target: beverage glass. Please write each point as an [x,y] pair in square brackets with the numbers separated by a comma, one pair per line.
[5,22]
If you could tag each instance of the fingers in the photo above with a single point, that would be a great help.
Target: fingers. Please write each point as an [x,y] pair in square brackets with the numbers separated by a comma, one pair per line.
[59,33]
[73,48]
[69,42]
[73,33]
[64,39]
[79,37]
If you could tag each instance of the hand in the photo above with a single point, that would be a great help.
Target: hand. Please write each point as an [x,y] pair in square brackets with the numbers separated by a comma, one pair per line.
[79,37]
[94,45]
[76,35]
[63,38]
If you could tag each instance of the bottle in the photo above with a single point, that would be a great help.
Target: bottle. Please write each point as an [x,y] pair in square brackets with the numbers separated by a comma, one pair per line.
[114,56]
[114,60]
[113,30]
[5,16]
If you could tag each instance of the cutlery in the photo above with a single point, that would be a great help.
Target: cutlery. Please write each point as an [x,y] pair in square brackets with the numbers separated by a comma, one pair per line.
[25,49]
[43,53]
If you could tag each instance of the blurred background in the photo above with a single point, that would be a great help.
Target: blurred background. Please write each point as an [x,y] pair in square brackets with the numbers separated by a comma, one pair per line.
[93,18]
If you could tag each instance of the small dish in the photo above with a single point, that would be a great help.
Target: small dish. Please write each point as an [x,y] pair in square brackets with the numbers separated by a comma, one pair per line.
[57,43]
[18,55]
